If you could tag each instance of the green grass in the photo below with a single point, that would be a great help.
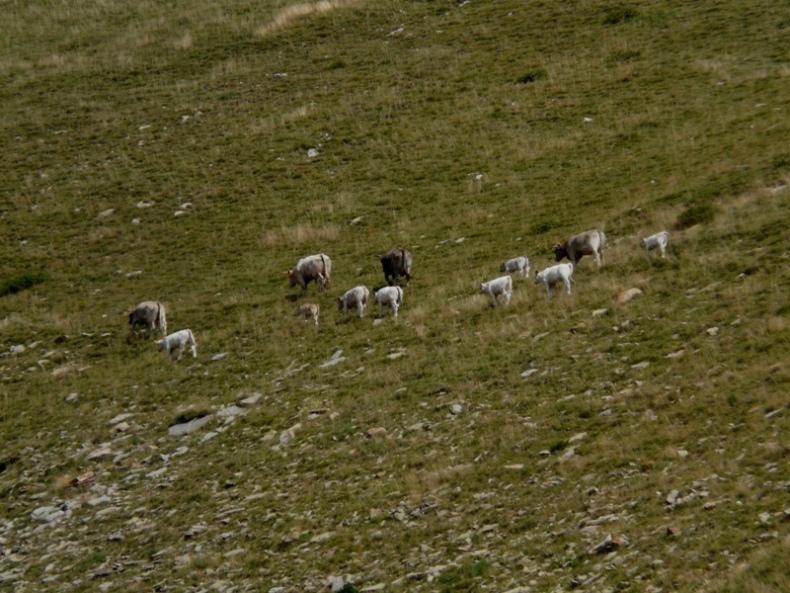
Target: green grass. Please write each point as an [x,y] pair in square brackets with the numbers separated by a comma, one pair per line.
[509,125]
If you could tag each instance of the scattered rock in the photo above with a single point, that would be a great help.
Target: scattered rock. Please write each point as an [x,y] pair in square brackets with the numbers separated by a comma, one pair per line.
[48,514]
[120,418]
[136,221]
[600,312]
[218,356]
[100,453]
[456,409]
[312,153]
[377,431]
[640,365]
[105,213]
[609,544]
[712,331]
[682,453]
[336,358]
[145,204]
[72,397]
[288,435]
[396,354]
[577,437]
[188,427]
[250,400]
[515,466]
[17,349]
[628,295]
[675,355]
[672,498]
[528,373]
[356,220]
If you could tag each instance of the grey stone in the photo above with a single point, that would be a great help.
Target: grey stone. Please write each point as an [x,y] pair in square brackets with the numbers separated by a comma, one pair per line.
[189,427]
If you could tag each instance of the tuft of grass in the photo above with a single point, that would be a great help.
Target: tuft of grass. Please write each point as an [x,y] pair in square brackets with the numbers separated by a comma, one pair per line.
[19,282]
[532,75]
[694,215]
[614,15]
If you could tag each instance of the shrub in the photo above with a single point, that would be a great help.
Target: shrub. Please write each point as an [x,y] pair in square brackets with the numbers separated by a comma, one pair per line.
[21,282]
[694,215]
[615,15]
[532,76]
[544,226]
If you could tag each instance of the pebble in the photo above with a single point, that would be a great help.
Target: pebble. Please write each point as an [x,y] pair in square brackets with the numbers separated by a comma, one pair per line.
[712,331]
[17,349]
[628,295]
[218,356]
[676,354]
[456,409]
[135,221]
[72,397]
[528,373]
[312,153]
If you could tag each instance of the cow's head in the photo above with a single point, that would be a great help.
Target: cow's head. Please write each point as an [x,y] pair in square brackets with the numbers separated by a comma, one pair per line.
[160,345]
[292,277]
[560,252]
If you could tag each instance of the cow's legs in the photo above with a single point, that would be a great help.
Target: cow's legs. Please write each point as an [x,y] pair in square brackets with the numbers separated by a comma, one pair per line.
[567,285]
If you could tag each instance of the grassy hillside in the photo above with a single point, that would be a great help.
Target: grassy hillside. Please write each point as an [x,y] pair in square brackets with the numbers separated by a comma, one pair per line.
[160,151]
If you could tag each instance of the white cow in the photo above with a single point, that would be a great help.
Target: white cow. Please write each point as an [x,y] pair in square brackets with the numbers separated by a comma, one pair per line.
[555,274]
[657,241]
[149,315]
[392,296]
[586,243]
[517,264]
[498,286]
[177,342]
[313,267]
[354,297]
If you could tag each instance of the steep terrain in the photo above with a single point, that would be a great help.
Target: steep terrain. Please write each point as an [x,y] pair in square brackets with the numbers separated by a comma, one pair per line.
[191,152]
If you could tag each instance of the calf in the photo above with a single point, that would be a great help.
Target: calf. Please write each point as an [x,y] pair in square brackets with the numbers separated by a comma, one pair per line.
[396,263]
[586,243]
[354,297]
[149,315]
[392,296]
[553,275]
[658,241]
[316,268]
[309,311]
[517,264]
[498,286]
[177,342]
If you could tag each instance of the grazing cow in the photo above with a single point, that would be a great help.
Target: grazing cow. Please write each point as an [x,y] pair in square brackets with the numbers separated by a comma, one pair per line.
[354,297]
[149,315]
[392,296]
[177,342]
[517,264]
[313,267]
[586,243]
[309,311]
[658,241]
[396,262]
[553,275]
[498,286]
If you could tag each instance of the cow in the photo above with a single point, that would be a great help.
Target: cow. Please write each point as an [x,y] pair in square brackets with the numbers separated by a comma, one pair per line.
[309,311]
[148,315]
[657,241]
[498,286]
[392,296]
[177,342]
[354,297]
[586,243]
[395,263]
[316,268]
[517,264]
[553,275]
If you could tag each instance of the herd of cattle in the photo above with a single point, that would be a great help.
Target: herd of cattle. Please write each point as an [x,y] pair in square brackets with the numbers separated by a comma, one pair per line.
[149,316]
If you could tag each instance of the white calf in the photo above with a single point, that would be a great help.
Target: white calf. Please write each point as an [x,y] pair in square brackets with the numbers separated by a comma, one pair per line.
[354,297]
[553,275]
[177,342]
[658,241]
[392,296]
[517,264]
[309,311]
[498,286]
